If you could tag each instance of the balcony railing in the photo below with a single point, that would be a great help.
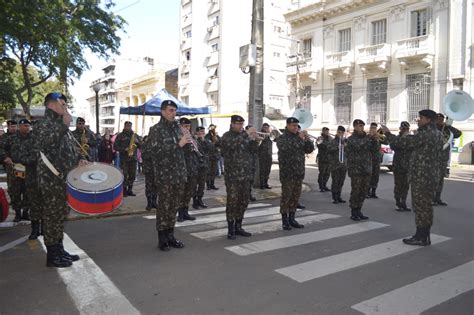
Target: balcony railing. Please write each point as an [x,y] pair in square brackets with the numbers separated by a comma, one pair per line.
[415,46]
[339,60]
[374,56]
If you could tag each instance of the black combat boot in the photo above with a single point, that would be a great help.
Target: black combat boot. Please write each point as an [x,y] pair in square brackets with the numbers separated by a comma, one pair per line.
[339,198]
[180,215]
[266,185]
[201,203]
[35,230]
[25,215]
[421,237]
[154,201]
[334,198]
[354,214]
[208,184]
[300,206]
[186,215]
[148,203]
[373,194]
[293,222]
[195,203]
[163,241]
[65,254]
[54,257]
[361,215]
[125,191]
[172,241]
[326,188]
[285,223]
[17,215]
[438,200]
[130,192]
[213,186]
[231,229]
[239,230]
[404,206]
[398,202]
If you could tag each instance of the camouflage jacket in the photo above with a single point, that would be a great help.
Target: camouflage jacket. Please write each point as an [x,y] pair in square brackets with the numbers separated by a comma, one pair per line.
[446,153]
[265,149]
[51,136]
[401,156]
[359,149]
[205,146]
[215,149]
[5,145]
[147,159]
[122,143]
[20,151]
[322,149]
[237,149]
[425,147]
[192,160]
[169,165]
[91,140]
[291,155]
[333,153]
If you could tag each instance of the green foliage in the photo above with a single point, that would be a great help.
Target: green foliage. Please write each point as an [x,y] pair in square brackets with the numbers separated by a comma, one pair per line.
[51,36]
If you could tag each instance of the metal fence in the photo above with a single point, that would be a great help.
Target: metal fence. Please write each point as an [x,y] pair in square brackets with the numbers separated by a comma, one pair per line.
[343,102]
[418,94]
[377,100]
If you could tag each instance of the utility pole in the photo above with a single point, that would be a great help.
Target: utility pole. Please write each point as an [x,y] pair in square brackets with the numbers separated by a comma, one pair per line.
[256,73]
[299,62]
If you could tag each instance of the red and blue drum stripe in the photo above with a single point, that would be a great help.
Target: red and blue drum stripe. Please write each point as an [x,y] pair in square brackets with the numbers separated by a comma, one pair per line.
[94,202]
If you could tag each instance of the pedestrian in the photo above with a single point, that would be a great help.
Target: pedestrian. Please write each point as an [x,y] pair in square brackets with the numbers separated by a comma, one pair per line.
[337,164]
[106,152]
[401,166]
[323,160]
[265,153]
[205,146]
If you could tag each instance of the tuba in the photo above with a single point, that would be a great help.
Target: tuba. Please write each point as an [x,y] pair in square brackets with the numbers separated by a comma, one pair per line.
[458,106]
[304,116]
[132,146]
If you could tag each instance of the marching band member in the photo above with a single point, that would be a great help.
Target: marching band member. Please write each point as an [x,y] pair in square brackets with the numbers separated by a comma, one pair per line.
[292,147]
[253,169]
[425,147]
[323,160]
[337,164]
[205,146]
[376,157]
[401,165]
[237,147]
[265,152]
[85,138]
[214,156]
[151,190]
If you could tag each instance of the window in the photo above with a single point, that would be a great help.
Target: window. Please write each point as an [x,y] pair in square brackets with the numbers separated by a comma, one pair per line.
[215,47]
[343,102]
[213,98]
[377,100]
[277,29]
[420,22]
[418,92]
[276,54]
[379,32]
[307,44]
[188,34]
[276,101]
[188,55]
[306,99]
[216,21]
[345,40]
[185,99]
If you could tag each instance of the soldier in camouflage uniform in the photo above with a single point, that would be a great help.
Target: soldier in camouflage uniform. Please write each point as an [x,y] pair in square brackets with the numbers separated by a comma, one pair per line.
[85,137]
[192,158]
[292,147]
[337,164]
[323,160]
[401,165]
[51,137]
[205,146]
[214,156]
[265,152]
[253,169]
[446,131]
[128,161]
[168,144]
[151,191]
[237,148]
[425,147]
[359,167]
[376,159]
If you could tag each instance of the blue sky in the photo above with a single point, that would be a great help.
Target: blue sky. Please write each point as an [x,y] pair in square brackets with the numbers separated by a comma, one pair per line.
[152,30]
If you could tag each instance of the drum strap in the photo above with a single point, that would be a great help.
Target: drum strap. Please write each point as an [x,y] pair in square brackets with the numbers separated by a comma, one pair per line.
[49,164]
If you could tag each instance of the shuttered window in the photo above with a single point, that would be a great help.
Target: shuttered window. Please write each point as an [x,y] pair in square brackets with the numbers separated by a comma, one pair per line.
[345,40]
[379,32]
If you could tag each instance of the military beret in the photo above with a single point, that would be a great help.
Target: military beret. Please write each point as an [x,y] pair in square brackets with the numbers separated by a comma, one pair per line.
[341,128]
[325,128]
[164,104]
[236,118]
[404,124]
[79,120]
[358,122]
[440,115]
[54,96]
[374,124]
[11,122]
[291,120]
[428,113]
[24,121]
[184,121]
[127,123]
[200,128]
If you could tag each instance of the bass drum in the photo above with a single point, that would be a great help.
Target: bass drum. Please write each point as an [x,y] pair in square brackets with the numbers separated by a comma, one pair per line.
[95,188]
[4,206]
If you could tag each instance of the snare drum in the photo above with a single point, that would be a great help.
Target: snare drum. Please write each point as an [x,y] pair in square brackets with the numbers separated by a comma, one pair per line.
[96,188]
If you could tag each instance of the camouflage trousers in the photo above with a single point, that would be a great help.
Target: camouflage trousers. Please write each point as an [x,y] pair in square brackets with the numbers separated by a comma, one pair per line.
[338,176]
[401,185]
[212,170]
[189,190]
[33,193]
[374,177]
[201,181]
[170,196]
[265,167]
[129,169]
[421,196]
[440,182]
[150,184]
[359,187]
[52,197]
[238,192]
[290,194]
[324,173]
[17,192]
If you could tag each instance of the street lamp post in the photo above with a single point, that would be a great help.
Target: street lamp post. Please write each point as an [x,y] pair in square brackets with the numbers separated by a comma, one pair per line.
[96,87]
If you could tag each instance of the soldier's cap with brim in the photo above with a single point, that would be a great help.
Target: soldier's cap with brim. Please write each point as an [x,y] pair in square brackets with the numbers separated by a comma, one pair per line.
[325,129]
[341,128]
[265,125]
[404,124]
[374,124]
[24,121]
[292,120]
[200,128]
[358,122]
[184,121]
[11,122]
[167,103]
[428,113]
[236,118]
[440,115]
[127,123]
[80,120]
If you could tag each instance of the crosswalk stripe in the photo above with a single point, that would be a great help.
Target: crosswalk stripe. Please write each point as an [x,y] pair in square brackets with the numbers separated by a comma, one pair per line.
[264,227]
[304,238]
[422,295]
[328,265]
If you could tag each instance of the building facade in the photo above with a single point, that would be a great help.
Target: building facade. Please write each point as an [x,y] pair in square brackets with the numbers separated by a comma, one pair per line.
[381,61]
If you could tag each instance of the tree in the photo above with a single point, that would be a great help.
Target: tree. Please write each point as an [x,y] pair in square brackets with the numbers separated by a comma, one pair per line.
[52,35]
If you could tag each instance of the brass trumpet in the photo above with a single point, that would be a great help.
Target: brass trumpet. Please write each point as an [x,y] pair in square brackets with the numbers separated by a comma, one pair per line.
[275,133]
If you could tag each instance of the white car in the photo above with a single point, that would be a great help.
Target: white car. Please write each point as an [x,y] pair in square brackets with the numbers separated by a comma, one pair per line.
[387,156]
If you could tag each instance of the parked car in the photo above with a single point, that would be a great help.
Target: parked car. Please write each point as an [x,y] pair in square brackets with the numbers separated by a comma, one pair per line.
[387,156]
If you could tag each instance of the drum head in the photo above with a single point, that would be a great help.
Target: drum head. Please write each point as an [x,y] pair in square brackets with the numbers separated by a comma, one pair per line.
[94,177]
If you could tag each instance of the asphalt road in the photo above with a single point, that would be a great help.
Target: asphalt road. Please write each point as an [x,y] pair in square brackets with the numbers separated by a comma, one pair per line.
[332,266]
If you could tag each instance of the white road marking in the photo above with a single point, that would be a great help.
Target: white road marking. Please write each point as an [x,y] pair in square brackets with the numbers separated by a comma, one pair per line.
[264,227]
[13,243]
[304,238]
[422,295]
[89,287]
[328,265]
